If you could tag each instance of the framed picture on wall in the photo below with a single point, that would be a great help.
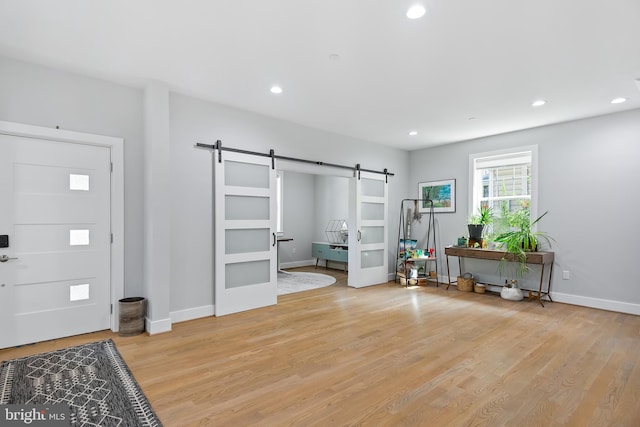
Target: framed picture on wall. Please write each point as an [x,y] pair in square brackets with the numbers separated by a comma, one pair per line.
[442,193]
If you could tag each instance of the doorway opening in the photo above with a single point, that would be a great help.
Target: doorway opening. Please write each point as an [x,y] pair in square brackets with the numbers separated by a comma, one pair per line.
[245,225]
[310,203]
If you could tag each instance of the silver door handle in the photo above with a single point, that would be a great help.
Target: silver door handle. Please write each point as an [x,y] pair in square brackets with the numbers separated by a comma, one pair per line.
[5,258]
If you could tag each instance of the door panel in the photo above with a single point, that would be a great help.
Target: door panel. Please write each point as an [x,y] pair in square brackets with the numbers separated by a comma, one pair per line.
[36,297]
[368,251]
[245,227]
[63,210]
[238,241]
[56,210]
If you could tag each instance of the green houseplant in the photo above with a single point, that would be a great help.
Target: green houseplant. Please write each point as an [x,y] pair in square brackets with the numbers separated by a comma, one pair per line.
[479,221]
[520,240]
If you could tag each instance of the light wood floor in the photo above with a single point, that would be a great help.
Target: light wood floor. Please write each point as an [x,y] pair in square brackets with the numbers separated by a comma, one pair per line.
[389,356]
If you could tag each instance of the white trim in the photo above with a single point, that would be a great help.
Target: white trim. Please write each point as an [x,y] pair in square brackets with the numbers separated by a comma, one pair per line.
[533,207]
[294,264]
[192,313]
[602,304]
[116,145]
[30,131]
[157,326]
[280,202]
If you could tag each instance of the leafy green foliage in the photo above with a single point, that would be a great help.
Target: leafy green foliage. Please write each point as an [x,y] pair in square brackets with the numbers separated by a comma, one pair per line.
[520,240]
[483,217]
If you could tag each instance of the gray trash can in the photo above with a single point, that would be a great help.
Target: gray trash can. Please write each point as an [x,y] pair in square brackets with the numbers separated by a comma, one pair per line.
[132,313]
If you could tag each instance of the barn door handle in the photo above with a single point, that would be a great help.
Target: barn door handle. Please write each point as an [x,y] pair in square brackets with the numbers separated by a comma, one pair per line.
[274,239]
[5,258]
[359,235]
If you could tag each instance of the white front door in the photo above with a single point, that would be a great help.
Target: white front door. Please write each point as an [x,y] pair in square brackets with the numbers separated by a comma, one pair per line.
[368,251]
[55,210]
[245,247]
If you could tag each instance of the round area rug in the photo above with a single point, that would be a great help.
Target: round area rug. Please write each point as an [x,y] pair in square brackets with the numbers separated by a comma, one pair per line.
[289,283]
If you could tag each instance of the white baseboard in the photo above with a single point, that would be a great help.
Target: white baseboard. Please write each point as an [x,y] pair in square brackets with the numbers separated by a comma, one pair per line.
[158,326]
[295,264]
[164,325]
[602,304]
[192,313]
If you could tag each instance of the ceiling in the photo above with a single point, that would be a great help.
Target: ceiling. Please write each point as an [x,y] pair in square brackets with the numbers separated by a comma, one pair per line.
[361,68]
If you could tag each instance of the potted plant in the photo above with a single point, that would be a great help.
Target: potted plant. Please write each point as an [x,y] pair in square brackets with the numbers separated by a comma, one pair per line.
[520,240]
[478,222]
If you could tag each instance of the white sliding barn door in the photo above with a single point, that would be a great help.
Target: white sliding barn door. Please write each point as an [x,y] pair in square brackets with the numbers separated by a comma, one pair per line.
[245,247]
[368,250]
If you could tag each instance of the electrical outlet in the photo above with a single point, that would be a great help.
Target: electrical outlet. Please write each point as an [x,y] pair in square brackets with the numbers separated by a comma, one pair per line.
[293,251]
[566,275]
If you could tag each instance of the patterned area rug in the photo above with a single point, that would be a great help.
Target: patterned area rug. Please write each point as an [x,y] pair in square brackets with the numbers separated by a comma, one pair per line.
[92,379]
[289,283]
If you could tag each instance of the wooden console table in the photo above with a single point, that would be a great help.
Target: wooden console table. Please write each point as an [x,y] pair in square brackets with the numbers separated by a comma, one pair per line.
[540,258]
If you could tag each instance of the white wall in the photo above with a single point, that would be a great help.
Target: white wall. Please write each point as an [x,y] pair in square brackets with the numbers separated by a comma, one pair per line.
[48,97]
[310,202]
[584,165]
[588,171]
[299,212]
[42,96]
[332,202]
[193,121]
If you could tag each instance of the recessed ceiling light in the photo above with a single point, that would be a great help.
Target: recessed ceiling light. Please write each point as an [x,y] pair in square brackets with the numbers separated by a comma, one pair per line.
[334,57]
[618,100]
[413,132]
[538,103]
[416,12]
[276,89]
[472,118]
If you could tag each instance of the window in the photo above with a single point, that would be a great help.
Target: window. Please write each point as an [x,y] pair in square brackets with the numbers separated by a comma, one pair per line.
[78,237]
[279,203]
[506,181]
[78,182]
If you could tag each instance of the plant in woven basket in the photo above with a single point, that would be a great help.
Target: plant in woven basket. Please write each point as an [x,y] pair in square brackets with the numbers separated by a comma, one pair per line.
[520,240]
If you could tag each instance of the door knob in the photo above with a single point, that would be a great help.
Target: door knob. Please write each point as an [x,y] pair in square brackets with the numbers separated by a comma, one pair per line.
[5,258]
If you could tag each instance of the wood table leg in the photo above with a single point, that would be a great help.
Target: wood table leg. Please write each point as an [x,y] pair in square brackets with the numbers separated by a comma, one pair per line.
[549,282]
[448,273]
[540,287]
